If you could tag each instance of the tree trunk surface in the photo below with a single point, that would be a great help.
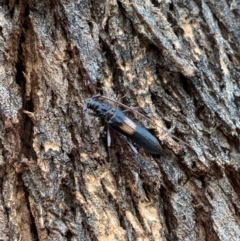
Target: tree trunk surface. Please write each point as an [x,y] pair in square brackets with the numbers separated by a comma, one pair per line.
[178,62]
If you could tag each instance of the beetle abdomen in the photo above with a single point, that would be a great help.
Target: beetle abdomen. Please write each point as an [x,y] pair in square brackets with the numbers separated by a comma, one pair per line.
[135,132]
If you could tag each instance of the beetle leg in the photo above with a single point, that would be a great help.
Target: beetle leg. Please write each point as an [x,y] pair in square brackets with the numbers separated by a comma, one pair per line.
[108,136]
[92,114]
[132,146]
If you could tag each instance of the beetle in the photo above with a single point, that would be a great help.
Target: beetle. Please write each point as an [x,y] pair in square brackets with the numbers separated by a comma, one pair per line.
[116,119]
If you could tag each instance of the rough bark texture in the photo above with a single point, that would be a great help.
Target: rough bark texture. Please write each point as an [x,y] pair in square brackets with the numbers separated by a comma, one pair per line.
[178,61]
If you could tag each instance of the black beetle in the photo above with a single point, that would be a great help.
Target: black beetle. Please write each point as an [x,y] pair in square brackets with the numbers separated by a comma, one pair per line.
[121,123]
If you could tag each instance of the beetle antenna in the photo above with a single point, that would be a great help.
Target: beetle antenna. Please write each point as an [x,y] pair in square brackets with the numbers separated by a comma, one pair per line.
[140,114]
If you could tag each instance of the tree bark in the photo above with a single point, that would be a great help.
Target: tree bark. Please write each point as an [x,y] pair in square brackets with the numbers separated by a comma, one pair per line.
[178,61]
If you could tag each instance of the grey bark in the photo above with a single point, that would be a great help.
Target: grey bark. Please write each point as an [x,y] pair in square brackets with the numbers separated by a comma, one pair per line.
[178,61]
